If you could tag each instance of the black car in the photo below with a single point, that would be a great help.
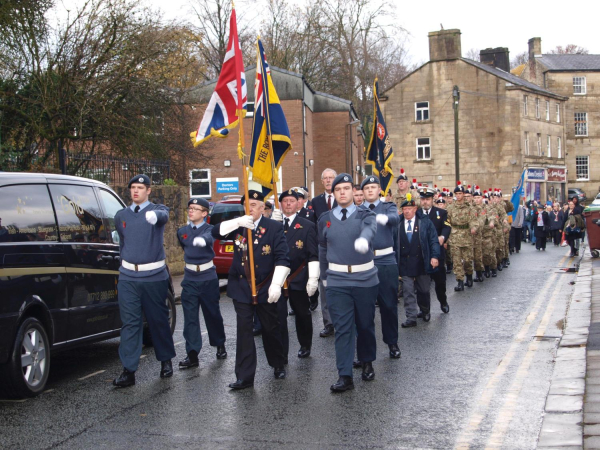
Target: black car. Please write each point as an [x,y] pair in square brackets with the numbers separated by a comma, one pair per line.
[58,273]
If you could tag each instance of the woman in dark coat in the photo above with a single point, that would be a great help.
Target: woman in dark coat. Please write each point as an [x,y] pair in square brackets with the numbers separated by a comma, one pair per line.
[574,226]
[557,220]
[541,225]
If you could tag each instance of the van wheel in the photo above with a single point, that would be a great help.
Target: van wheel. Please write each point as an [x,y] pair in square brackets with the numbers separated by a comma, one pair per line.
[170,300]
[26,372]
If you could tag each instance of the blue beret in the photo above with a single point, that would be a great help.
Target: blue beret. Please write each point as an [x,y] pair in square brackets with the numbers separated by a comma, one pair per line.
[288,193]
[371,179]
[254,195]
[341,178]
[142,179]
[199,202]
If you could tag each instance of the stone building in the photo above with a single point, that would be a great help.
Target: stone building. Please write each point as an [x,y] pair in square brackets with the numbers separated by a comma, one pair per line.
[506,124]
[325,132]
[578,78]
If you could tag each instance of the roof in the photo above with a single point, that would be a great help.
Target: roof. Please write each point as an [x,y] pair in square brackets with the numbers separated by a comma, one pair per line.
[518,71]
[513,79]
[570,62]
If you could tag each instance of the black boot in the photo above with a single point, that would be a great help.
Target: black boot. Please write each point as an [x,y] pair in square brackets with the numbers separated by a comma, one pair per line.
[126,379]
[449,268]
[190,361]
[487,271]
[494,273]
[470,280]
[508,261]
[478,276]
[505,263]
[460,286]
[499,267]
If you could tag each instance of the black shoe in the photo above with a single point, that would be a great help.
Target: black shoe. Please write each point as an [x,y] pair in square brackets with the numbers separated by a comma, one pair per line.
[291,312]
[408,324]
[478,276]
[420,315]
[499,267]
[343,384]
[279,373]
[460,286]
[313,305]
[368,374]
[445,308]
[470,280]
[241,384]
[357,364]
[505,263]
[518,251]
[327,331]
[304,352]
[221,352]
[449,269]
[426,317]
[166,369]
[190,361]
[257,331]
[487,272]
[508,262]
[126,379]
[494,273]
[285,361]
[394,351]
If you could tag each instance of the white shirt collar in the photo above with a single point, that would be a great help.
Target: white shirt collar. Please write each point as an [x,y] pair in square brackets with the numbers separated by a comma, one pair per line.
[291,218]
[412,224]
[257,222]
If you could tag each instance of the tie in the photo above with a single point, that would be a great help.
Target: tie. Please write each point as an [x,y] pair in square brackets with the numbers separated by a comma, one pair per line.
[344,211]
[137,209]
[329,201]
[409,231]
[427,211]
[286,226]
[371,206]
[194,227]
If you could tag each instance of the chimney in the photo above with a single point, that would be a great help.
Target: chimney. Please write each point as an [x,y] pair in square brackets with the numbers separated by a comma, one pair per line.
[496,57]
[535,47]
[444,45]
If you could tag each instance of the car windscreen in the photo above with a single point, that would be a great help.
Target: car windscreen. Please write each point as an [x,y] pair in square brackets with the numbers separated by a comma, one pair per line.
[225,211]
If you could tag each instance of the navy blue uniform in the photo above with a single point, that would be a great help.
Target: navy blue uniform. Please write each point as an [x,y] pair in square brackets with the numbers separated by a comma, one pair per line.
[307,214]
[319,205]
[439,219]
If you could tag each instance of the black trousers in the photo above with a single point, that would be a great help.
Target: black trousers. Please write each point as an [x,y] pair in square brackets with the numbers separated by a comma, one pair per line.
[514,238]
[439,278]
[300,303]
[557,236]
[245,355]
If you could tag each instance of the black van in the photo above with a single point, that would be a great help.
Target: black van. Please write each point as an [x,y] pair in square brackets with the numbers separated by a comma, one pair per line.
[59,262]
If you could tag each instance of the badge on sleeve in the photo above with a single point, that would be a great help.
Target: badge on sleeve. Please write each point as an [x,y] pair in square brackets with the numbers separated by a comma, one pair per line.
[266,250]
[299,245]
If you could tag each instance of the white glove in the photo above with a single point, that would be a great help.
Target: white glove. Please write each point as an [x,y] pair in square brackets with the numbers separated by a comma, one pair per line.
[381,219]
[199,242]
[229,225]
[277,215]
[279,276]
[313,278]
[324,283]
[361,245]
[151,217]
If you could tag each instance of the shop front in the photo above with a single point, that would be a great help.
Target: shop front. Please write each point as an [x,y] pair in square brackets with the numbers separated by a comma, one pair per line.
[556,184]
[535,184]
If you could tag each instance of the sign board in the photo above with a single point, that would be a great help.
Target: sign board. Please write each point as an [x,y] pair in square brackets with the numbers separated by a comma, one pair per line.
[536,174]
[557,175]
[228,185]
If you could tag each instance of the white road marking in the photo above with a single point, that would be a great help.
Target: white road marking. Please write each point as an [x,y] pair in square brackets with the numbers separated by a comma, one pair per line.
[91,375]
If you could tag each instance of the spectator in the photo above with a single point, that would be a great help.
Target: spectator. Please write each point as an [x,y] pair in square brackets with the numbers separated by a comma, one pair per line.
[557,220]
[573,227]
[541,223]
[516,230]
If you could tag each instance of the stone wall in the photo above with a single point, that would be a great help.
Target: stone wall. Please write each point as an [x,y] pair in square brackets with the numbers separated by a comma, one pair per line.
[176,198]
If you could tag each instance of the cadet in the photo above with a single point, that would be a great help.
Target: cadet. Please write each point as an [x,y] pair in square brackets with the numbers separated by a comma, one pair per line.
[271,262]
[301,238]
[478,237]
[403,187]
[488,232]
[385,260]
[200,285]
[350,278]
[143,281]
[464,225]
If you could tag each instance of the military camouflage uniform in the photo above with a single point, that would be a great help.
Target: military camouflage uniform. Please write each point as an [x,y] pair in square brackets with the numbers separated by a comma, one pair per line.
[462,219]
[488,236]
[477,237]
[508,207]
[400,198]
[499,232]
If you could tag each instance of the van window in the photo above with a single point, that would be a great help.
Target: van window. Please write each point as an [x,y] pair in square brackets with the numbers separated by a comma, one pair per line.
[26,214]
[112,205]
[225,211]
[78,213]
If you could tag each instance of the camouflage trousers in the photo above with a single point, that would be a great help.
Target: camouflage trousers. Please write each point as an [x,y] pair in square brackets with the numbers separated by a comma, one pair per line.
[506,239]
[499,243]
[489,250]
[449,254]
[460,256]
[478,252]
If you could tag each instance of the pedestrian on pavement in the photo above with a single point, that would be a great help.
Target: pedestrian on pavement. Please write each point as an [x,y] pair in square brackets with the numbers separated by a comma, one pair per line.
[271,262]
[200,285]
[418,258]
[349,274]
[143,281]
[574,225]
[385,260]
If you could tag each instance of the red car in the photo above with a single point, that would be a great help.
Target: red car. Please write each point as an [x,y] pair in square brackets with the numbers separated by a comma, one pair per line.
[229,207]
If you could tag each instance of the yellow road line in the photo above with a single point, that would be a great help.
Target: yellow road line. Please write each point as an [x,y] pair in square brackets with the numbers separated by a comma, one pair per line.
[91,375]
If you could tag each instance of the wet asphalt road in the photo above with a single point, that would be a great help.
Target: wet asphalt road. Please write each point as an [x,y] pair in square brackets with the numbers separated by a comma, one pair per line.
[474,378]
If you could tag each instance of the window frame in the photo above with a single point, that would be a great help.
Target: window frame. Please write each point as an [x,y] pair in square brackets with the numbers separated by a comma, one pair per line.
[549,146]
[423,146]
[558,147]
[525,106]
[422,111]
[578,164]
[203,180]
[248,112]
[558,113]
[537,108]
[539,144]
[582,86]
[547,111]
[527,143]
[584,122]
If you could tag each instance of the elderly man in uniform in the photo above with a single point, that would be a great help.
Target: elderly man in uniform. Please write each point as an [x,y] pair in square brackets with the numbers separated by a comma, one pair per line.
[385,261]
[200,286]
[418,258]
[143,281]
[464,225]
[303,211]
[301,238]
[350,276]
[272,266]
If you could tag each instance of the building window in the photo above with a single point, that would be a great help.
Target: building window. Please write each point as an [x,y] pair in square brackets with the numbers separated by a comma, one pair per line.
[539,144]
[525,109]
[423,149]
[421,111]
[250,109]
[558,113]
[548,111]
[558,148]
[548,147]
[582,167]
[200,183]
[579,87]
[527,142]
[581,124]
[537,108]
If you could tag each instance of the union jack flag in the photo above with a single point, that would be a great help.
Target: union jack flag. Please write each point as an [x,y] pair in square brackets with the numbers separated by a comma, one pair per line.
[230,95]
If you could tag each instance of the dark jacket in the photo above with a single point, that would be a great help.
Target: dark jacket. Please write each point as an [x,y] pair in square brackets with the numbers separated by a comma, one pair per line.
[319,205]
[308,214]
[439,219]
[540,232]
[428,245]
[302,244]
[557,219]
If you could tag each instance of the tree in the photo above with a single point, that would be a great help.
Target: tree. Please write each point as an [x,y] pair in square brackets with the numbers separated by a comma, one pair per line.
[570,49]
[473,54]
[521,58]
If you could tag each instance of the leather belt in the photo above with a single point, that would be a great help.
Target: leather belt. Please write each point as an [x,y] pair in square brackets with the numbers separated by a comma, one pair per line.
[143,267]
[383,251]
[351,269]
[199,267]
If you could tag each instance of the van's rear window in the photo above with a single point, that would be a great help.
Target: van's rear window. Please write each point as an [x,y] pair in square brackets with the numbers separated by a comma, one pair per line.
[26,214]
[225,211]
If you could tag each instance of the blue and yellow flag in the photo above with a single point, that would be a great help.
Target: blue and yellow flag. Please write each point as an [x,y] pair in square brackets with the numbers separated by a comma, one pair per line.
[379,153]
[269,120]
